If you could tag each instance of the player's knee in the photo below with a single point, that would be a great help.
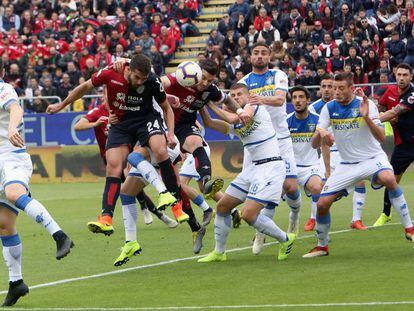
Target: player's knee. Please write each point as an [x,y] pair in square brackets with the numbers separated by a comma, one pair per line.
[14,193]
[323,206]
[135,158]
[290,187]
[248,215]
[160,154]
[388,180]
[7,223]
[315,188]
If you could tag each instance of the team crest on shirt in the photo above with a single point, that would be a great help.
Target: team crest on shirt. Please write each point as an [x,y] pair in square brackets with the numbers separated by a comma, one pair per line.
[269,80]
[410,98]
[355,112]
[141,89]
[205,95]
[311,127]
[120,97]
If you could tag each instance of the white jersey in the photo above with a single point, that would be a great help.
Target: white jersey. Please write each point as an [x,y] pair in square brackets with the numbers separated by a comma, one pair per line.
[258,136]
[316,107]
[8,96]
[265,85]
[353,138]
[301,132]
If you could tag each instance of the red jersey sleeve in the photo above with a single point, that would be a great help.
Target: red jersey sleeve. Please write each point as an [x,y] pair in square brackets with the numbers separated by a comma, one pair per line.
[383,99]
[172,78]
[94,114]
[102,76]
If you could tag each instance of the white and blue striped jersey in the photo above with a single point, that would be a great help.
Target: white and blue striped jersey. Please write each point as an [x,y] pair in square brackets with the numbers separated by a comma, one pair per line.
[301,132]
[8,96]
[316,107]
[265,85]
[258,136]
[353,138]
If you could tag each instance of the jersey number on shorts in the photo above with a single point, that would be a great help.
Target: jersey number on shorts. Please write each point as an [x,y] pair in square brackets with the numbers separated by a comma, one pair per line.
[152,126]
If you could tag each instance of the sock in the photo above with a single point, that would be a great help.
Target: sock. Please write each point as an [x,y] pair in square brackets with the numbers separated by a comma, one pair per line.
[146,202]
[358,203]
[35,210]
[267,226]
[387,203]
[12,254]
[294,201]
[202,163]
[268,212]
[222,226]
[147,171]
[234,210]
[315,199]
[192,222]
[110,195]
[169,177]
[130,216]
[400,205]
[201,203]
[323,224]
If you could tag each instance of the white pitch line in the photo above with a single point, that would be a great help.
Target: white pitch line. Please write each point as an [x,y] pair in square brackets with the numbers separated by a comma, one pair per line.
[161,263]
[266,306]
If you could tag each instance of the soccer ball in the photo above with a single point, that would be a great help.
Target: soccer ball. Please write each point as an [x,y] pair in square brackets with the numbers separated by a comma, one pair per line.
[188,74]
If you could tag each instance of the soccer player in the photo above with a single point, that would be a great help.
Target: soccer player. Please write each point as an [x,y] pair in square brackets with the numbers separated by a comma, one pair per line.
[331,160]
[97,119]
[302,124]
[269,87]
[130,98]
[358,132]
[15,171]
[260,183]
[397,105]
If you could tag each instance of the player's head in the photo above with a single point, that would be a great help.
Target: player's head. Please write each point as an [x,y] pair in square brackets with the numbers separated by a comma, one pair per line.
[210,70]
[403,75]
[239,93]
[327,87]
[300,98]
[138,70]
[343,87]
[260,56]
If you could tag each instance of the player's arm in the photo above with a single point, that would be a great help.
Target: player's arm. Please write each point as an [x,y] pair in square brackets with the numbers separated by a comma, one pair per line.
[276,101]
[322,134]
[371,117]
[226,116]
[165,82]
[215,124]
[169,120]
[394,112]
[74,95]
[84,124]
[16,116]
[326,156]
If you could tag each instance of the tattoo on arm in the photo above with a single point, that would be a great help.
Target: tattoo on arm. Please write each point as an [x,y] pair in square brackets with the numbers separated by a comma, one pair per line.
[231,104]
[400,109]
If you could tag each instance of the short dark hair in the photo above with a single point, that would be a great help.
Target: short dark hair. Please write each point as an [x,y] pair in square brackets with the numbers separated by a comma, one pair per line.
[257,44]
[142,63]
[326,76]
[236,86]
[345,76]
[405,66]
[210,66]
[297,88]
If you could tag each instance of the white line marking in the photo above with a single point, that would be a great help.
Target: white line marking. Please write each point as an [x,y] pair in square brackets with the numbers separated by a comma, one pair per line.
[267,306]
[163,263]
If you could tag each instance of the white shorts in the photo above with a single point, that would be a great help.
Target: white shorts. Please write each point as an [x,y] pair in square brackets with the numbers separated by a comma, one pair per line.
[286,151]
[305,173]
[188,168]
[262,183]
[346,176]
[335,160]
[172,153]
[14,168]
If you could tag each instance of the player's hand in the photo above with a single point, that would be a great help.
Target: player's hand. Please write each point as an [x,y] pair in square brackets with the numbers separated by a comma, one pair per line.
[173,100]
[120,63]
[113,119]
[244,116]
[255,99]
[183,156]
[364,108]
[54,108]
[15,138]
[171,141]
[327,137]
[102,120]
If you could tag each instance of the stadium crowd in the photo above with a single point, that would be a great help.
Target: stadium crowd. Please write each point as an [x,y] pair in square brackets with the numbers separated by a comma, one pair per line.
[49,47]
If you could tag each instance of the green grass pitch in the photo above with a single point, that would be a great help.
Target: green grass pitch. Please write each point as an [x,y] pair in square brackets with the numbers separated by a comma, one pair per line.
[372,266]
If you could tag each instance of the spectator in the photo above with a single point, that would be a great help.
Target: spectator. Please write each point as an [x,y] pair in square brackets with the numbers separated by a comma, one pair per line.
[225,24]
[318,33]
[229,44]
[183,15]
[146,42]
[396,47]
[123,26]
[74,73]
[139,27]
[342,21]
[165,45]
[353,59]
[114,40]
[293,50]
[242,26]
[250,36]
[366,32]
[102,58]
[405,27]
[306,79]
[327,19]
[232,68]
[361,78]
[268,34]
[303,35]
[259,20]
[89,69]
[239,75]
[347,44]
[85,56]
[49,90]
[174,31]
[390,20]
[119,53]
[213,52]
[378,45]
[156,25]
[65,87]
[336,61]
[277,53]
[9,20]
[224,77]
[156,60]
[327,46]
[409,58]
[371,64]
[237,8]
[104,26]
[291,24]
[254,11]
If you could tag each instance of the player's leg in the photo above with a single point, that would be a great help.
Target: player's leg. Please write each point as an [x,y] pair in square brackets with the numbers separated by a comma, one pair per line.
[294,200]
[314,187]
[146,203]
[194,145]
[358,201]
[386,178]
[12,254]
[16,193]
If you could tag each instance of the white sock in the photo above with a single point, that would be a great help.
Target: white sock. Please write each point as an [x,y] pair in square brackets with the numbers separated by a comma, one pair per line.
[267,226]
[268,212]
[398,202]
[12,254]
[130,216]
[35,210]
[201,203]
[323,224]
[222,226]
[358,202]
[294,200]
[314,207]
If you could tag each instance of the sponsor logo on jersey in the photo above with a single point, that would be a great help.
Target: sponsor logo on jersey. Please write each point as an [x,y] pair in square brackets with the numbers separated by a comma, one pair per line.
[141,89]
[120,97]
[117,82]
[346,124]
[246,130]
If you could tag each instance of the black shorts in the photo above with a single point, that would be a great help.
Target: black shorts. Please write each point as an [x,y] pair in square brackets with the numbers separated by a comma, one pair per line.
[402,157]
[133,131]
[185,130]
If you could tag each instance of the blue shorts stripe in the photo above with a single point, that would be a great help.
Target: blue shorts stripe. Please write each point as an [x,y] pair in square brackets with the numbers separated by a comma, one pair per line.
[238,188]
[9,207]
[265,202]
[16,182]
